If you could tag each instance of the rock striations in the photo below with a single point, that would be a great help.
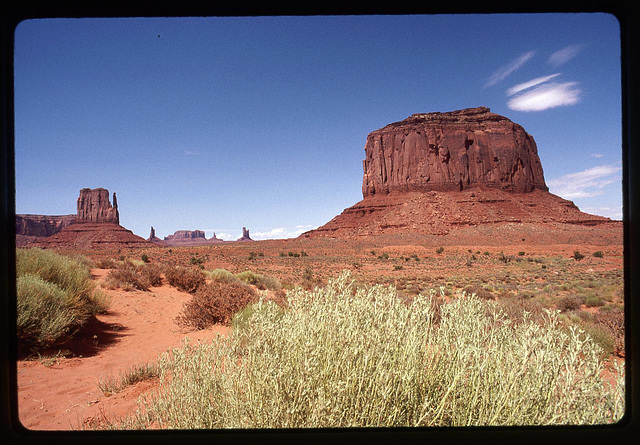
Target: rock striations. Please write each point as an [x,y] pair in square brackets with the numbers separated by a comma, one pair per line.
[42,225]
[451,152]
[94,206]
[33,227]
[435,173]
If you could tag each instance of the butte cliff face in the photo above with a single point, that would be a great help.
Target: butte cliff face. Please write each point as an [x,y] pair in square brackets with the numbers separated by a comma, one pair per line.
[451,151]
[94,206]
[42,225]
[467,173]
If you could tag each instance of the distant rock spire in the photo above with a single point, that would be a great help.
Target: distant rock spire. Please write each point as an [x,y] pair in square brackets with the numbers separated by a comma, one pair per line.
[245,235]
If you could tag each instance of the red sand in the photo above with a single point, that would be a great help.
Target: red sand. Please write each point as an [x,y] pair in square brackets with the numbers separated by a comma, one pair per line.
[137,329]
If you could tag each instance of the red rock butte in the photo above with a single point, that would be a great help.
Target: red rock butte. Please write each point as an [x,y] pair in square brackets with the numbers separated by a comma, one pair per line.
[94,206]
[96,224]
[451,152]
[436,173]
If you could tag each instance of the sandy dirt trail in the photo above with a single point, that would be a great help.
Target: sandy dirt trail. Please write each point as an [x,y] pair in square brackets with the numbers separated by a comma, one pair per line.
[138,328]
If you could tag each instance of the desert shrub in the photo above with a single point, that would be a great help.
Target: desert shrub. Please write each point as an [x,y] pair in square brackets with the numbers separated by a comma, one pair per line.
[593,301]
[215,303]
[613,321]
[144,258]
[598,254]
[131,376]
[133,275]
[505,258]
[68,274]
[398,267]
[577,255]
[383,256]
[106,263]
[45,313]
[184,278]
[197,260]
[343,358]
[515,306]
[479,292]
[152,273]
[439,250]
[569,303]
[100,302]
[222,275]
[259,280]
[243,317]
[55,298]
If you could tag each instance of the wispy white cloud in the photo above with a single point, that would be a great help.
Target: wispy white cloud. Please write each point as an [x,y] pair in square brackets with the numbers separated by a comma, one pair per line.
[282,232]
[597,155]
[276,233]
[226,236]
[609,212]
[532,83]
[585,184]
[545,96]
[564,55]
[509,69]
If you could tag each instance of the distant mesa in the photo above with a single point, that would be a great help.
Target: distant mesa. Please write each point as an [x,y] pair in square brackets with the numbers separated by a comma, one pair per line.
[42,225]
[434,173]
[196,238]
[96,224]
[186,235]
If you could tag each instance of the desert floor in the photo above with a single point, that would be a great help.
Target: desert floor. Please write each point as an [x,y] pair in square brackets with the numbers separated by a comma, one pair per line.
[61,391]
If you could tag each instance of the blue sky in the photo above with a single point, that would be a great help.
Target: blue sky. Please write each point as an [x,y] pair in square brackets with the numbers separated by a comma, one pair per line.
[219,123]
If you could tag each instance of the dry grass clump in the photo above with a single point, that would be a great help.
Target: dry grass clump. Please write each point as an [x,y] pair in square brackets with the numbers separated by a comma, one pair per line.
[106,263]
[55,298]
[131,275]
[515,306]
[336,357]
[216,303]
[569,303]
[222,275]
[184,278]
[131,376]
[259,280]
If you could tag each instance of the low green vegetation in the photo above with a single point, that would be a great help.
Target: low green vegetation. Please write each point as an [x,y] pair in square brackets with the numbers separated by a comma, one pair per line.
[55,298]
[131,376]
[345,356]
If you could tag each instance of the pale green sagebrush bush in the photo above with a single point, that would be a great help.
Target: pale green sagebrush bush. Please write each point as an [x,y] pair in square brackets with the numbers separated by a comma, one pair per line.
[339,357]
[55,297]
